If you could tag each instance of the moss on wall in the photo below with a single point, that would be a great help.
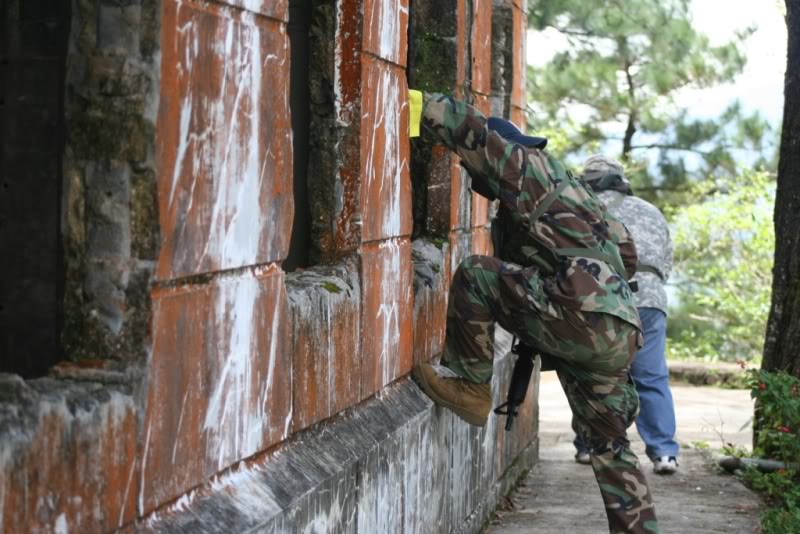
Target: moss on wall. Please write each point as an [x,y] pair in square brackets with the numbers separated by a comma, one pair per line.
[110,216]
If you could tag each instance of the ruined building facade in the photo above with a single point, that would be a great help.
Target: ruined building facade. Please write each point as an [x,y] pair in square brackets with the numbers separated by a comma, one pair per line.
[227,257]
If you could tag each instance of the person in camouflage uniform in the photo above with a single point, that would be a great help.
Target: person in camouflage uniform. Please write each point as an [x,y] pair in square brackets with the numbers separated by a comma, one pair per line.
[560,285]
[656,420]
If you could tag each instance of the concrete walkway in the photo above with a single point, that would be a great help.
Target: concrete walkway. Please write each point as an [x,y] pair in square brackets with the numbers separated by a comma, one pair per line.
[562,496]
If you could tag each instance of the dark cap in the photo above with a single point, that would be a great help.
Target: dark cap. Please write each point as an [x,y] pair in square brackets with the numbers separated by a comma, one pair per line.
[509,132]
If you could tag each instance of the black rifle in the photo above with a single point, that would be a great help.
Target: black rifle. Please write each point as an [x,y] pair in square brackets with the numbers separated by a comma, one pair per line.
[520,379]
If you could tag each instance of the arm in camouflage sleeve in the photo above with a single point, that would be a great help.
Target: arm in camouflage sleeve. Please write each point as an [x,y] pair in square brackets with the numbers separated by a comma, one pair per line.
[627,248]
[494,163]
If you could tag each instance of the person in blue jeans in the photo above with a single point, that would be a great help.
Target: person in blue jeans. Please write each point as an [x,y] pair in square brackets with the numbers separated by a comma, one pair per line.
[656,419]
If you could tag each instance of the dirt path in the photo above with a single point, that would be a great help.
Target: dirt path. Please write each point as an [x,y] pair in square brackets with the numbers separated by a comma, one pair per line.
[561,496]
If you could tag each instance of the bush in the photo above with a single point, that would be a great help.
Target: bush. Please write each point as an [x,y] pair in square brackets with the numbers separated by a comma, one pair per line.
[777,415]
[777,423]
[724,246]
[782,492]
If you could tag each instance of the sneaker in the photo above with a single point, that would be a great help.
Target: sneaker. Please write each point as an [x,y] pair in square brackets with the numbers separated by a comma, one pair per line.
[470,401]
[665,465]
[582,457]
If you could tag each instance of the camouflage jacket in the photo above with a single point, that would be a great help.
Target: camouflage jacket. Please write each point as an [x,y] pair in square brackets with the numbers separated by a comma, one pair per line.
[564,240]
[653,244]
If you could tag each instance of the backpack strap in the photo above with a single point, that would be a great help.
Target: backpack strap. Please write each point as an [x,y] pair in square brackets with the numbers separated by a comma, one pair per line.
[547,201]
[595,254]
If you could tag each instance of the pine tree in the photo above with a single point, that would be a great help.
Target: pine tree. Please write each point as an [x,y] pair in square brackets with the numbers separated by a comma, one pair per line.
[623,67]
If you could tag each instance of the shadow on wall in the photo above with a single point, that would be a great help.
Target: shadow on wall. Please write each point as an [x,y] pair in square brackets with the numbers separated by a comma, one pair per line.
[299,37]
[33,58]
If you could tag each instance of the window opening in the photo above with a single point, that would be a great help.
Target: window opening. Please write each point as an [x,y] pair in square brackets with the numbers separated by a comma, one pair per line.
[33,46]
[299,24]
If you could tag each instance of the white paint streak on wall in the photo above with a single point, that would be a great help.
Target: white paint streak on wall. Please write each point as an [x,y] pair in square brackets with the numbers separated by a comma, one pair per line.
[388,317]
[249,494]
[253,5]
[390,496]
[184,137]
[329,520]
[461,451]
[433,459]
[180,422]
[331,353]
[222,130]
[270,378]
[236,415]
[183,503]
[367,504]
[93,425]
[60,526]
[388,27]
[337,61]
[236,225]
[412,473]
[489,442]
[388,107]
[144,468]
[127,492]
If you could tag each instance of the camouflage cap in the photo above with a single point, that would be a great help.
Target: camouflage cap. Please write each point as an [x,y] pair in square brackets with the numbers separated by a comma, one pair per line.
[598,166]
[602,173]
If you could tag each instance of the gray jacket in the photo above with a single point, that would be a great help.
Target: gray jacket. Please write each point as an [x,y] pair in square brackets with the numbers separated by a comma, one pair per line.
[653,244]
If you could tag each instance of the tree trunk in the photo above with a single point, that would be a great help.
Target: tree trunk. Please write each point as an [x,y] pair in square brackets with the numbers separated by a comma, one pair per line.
[782,344]
[630,130]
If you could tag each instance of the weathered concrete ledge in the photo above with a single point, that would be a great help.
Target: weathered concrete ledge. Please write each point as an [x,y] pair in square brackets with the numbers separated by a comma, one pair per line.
[721,374]
[67,454]
[394,463]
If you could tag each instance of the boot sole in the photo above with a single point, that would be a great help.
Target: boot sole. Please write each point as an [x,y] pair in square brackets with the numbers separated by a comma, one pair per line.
[462,414]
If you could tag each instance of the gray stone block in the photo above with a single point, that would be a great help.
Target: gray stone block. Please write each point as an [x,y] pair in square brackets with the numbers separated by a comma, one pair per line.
[117,26]
[394,463]
[428,262]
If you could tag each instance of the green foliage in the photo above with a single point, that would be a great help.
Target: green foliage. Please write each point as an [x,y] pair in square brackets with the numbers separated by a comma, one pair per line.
[777,415]
[729,449]
[777,420]
[781,490]
[623,66]
[724,247]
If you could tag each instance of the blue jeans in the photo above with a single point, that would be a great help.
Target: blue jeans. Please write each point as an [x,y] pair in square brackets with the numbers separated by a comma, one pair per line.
[656,420]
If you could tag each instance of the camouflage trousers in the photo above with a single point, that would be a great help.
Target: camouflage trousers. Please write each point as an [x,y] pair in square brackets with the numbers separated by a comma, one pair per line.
[592,353]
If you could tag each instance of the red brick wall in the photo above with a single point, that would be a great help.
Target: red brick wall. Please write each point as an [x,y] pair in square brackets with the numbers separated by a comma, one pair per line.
[244,355]
[220,374]
[385,207]
[519,69]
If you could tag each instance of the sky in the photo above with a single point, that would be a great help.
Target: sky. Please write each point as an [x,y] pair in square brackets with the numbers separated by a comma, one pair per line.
[759,87]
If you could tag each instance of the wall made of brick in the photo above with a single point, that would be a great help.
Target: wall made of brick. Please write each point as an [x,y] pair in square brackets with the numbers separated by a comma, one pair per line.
[245,363]
[69,455]
[394,463]
[220,373]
